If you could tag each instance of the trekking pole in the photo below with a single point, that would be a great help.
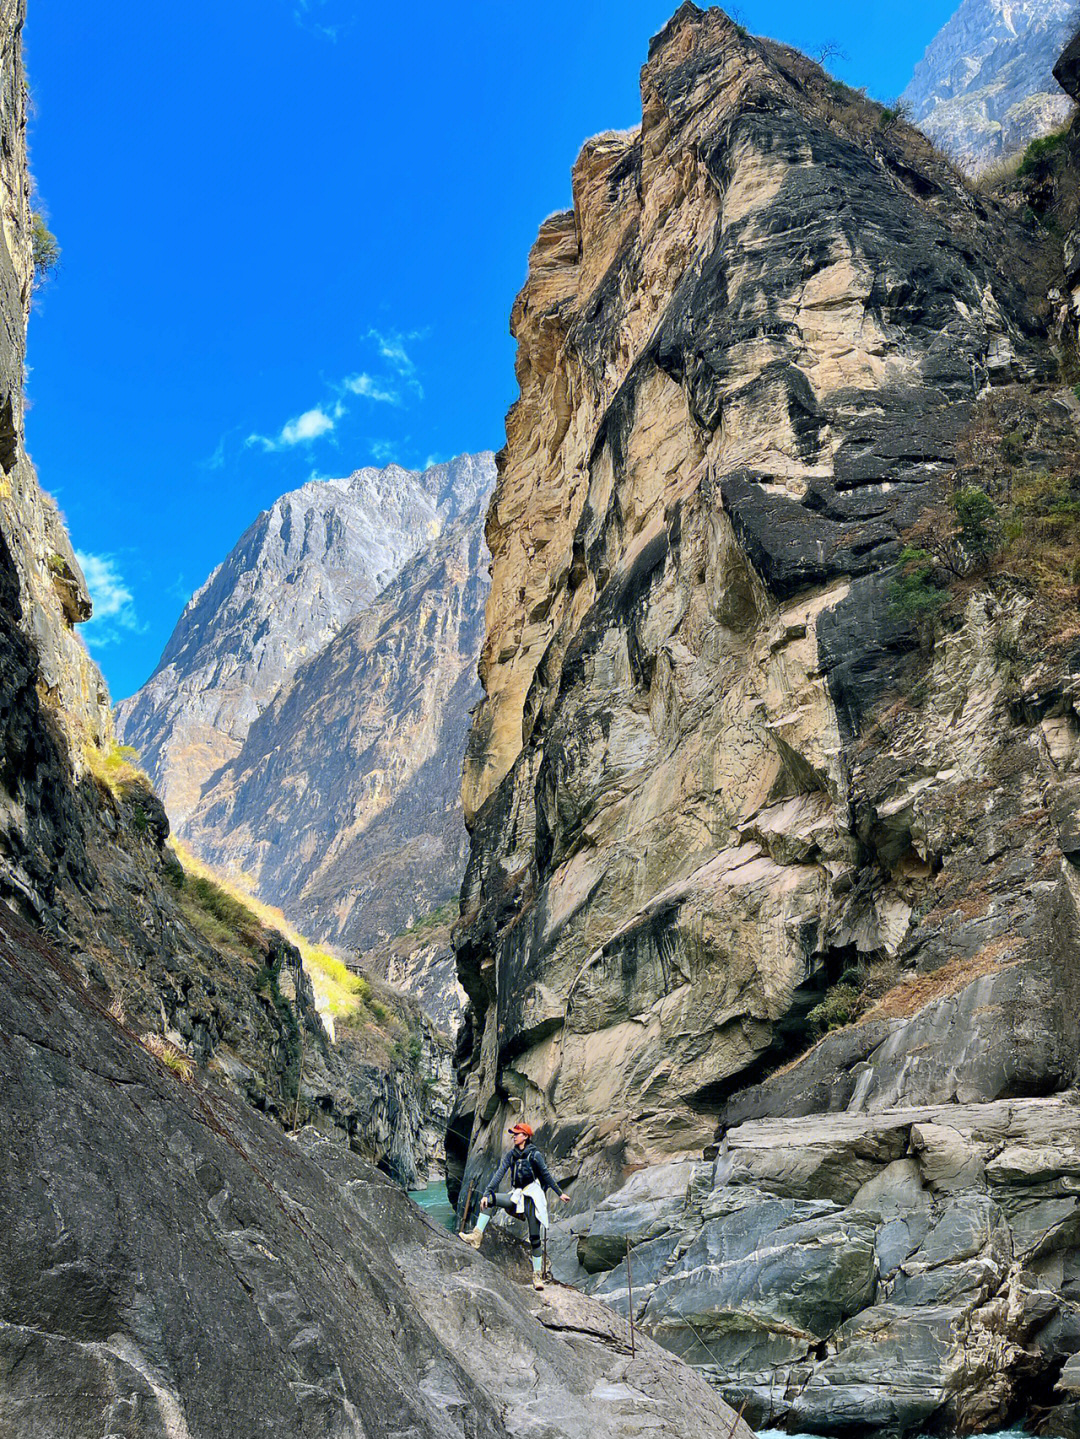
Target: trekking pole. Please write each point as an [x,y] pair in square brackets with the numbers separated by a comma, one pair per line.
[545,1267]
[300,1026]
[630,1296]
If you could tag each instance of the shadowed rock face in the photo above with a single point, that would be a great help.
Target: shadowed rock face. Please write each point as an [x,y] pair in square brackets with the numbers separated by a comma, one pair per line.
[343,805]
[172,1267]
[746,358]
[985,87]
[306,566]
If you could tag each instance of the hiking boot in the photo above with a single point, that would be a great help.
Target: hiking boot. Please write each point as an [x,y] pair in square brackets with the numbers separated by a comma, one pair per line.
[473,1238]
[538,1283]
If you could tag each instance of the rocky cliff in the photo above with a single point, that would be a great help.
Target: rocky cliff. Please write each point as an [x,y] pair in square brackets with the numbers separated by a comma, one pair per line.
[306,566]
[985,87]
[83,837]
[173,1267]
[772,789]
[343,805]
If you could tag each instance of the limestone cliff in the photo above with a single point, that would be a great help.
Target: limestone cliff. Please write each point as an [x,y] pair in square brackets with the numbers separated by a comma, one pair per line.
[985,87]
[343,805]
[772,790]
[306,566]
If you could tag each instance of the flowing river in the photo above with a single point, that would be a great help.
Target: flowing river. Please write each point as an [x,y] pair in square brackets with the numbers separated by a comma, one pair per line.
[434,1200]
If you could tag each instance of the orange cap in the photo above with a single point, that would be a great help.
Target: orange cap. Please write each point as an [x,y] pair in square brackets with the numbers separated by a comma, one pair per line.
[522,1128]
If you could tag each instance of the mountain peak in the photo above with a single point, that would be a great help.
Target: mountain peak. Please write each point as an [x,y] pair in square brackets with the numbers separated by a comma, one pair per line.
[299,572]
[985,86]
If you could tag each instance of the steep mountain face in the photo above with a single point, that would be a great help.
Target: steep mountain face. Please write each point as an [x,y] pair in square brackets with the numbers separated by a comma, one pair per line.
[307,565]
[772,792]
[343,805]
[985,87]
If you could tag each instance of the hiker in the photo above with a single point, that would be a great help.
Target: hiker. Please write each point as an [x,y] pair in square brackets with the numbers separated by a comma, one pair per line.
[529,1177]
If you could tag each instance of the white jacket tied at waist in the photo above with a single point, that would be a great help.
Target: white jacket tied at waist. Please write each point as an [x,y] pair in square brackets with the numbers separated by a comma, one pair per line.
[535,1191]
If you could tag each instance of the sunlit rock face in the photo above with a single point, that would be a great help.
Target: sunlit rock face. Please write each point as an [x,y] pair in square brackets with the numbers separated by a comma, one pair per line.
[343,805]
[306,566]
[985,86]
[746,357]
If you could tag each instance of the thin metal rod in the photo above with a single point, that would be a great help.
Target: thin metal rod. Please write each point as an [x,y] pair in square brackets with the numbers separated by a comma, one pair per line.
[630,1296]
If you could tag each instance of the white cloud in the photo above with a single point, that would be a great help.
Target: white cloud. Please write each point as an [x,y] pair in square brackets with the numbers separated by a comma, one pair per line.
[371,389]
[391,346]
[308,426]
[114,605]
[383,451]
[301,431]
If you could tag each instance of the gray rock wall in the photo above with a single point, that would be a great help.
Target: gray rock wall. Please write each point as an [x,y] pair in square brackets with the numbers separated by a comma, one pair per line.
[985,88]
[172,1267]
[749,358]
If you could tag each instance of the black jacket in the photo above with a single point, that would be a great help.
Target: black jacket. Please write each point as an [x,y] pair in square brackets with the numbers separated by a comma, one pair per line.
[523,1166]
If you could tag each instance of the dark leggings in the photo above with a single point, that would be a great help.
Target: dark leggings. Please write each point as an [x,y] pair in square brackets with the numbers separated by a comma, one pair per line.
[503,1201]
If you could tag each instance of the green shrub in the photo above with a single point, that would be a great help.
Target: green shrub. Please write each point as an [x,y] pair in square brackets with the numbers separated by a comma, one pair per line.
[44,249]
[915,592]
[980,533]
[835,1010]
[1012,445]
[1038,150]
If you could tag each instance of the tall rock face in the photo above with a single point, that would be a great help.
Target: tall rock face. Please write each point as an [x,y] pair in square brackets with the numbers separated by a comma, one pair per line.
[746,358]
[307,565]
[52,593]
[771,925]
[985,86]
[343,805]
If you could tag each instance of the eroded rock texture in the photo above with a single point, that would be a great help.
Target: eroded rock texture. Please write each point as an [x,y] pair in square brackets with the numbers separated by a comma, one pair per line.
[860,1272]
[745,358]
[985,87]
[720,776]
[343,805]
[173,1267]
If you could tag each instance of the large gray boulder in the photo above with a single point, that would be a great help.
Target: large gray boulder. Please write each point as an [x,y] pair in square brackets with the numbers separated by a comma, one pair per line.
[173,1267]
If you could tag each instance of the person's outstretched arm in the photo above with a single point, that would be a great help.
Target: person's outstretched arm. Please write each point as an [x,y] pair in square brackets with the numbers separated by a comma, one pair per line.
[547,1178]
[489,1192]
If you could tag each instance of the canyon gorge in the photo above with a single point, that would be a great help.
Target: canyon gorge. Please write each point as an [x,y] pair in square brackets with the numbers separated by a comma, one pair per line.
[698,779]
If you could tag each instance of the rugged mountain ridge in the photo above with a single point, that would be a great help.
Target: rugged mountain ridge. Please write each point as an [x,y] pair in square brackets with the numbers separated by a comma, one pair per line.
[985,87]
[308,564]
[343,805]
[772,791]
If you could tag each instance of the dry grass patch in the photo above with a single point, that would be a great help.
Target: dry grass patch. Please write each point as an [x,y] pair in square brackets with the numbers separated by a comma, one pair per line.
[174,1060]
[913,994]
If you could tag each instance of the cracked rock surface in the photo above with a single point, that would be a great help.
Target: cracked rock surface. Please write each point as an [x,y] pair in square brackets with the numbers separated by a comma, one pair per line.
[173,1267]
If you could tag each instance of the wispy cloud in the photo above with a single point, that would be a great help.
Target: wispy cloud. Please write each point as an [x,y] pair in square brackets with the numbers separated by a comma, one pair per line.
[383,452]
[371,389]
[391,380]
[114,605]
[391,347]
[306,427]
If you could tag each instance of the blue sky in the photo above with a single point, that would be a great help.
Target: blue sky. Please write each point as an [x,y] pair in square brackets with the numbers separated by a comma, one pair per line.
[292,231]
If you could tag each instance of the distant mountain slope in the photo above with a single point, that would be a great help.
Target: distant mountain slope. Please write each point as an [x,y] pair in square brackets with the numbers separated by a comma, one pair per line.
[984,88]
[343,805]
[317,557]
